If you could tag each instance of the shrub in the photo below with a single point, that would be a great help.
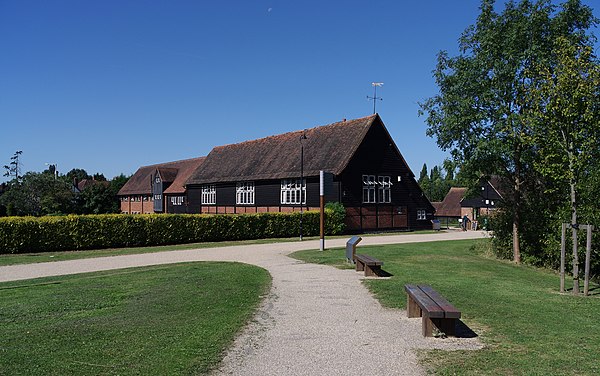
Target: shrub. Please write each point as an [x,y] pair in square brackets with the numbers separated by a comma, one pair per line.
[335,214]
[77,232]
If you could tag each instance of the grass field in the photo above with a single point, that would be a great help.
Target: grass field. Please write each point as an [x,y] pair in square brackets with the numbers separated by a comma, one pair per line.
[527,326]
[162,320]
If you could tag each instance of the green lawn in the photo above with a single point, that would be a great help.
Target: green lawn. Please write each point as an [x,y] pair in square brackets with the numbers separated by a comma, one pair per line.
[30,258]
[175,319]
[527,326]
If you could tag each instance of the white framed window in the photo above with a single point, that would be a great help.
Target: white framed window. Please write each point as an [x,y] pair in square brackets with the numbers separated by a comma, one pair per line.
[368,189]
[385,189]
[244,193]
[293,191]
[421,214]
[177,200]
[209,194]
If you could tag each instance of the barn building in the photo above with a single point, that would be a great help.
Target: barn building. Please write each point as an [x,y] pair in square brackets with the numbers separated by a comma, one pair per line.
[368,175]
[365,172]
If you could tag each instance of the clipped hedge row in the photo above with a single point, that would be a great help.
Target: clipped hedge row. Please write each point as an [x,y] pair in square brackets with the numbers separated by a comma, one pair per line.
[77,232]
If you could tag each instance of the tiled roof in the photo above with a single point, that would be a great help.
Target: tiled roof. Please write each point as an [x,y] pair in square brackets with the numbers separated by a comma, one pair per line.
[186,168]
[83,184]
[327,148]
[450,207]
[176,172]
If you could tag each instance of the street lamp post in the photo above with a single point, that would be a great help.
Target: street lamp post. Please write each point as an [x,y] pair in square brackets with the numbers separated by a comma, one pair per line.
[302,138]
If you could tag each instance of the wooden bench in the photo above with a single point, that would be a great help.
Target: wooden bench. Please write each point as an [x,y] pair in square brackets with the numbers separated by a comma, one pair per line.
[367,263]
[423,301]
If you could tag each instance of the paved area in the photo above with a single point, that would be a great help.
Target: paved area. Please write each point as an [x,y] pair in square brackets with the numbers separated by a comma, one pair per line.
[317,320]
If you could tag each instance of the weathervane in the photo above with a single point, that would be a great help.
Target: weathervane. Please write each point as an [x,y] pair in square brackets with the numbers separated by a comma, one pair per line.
[374,98]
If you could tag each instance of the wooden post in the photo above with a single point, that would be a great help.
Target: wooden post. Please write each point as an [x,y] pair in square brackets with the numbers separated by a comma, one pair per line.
[575,260]
[588,252]
[322,210]
[562,257]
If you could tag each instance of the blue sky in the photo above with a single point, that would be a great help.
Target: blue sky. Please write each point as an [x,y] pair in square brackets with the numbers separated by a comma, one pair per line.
[109,86]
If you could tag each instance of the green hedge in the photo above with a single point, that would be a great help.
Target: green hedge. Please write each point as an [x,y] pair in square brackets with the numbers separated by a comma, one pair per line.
[76,232]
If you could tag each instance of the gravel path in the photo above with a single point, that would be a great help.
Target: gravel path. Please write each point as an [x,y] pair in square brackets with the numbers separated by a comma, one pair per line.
[313,322]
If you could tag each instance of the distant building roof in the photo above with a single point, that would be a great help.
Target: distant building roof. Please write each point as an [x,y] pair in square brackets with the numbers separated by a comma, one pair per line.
[329,148]
[85,183]
[450,207]
[176,173]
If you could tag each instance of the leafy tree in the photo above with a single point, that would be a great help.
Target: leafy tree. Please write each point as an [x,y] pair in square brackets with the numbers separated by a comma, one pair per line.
[483,112]
[38,194]
[567,131]
[435,184]
[424,172]
[79,174]
[118,182]
[97,199]
[424,181]
[14,167]
[101,197]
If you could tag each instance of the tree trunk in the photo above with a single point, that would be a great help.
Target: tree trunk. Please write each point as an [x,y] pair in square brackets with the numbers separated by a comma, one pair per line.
[517,221]
[574,223]
[517,212]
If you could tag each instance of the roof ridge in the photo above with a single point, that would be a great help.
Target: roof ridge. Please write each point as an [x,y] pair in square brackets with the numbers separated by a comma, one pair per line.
[296,131]
[172,162]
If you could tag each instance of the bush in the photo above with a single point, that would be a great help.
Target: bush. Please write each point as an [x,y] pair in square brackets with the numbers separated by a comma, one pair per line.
[335,214]
[77,232]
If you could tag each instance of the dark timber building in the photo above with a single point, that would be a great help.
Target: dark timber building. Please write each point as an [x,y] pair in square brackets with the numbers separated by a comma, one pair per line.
[369,176]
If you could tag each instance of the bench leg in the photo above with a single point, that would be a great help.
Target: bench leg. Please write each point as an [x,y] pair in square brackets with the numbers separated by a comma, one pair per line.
[427,326]
[412,308]
[371,270]
[447,326]
[359,266]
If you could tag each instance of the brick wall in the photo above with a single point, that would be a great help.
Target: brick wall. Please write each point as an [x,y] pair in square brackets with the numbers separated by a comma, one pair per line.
[132,206]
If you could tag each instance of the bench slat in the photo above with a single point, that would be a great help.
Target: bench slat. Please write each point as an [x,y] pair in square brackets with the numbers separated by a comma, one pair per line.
[424,301]
[449,309]
[368,260]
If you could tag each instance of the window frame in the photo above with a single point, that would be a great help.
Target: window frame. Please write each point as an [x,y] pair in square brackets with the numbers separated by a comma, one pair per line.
[244,193]
[385,189]
[208,194]
[421,215]
[368,189]
[292,190]
[177,200]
